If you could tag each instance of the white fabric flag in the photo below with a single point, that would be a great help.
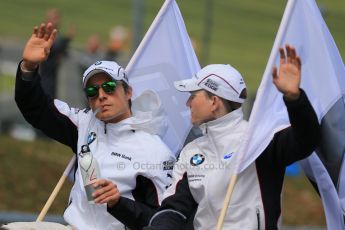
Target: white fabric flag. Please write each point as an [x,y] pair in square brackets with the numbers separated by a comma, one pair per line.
[166,55]
[323,79]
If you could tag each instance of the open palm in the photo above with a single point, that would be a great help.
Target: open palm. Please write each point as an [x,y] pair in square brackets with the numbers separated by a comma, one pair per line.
[288,78]
[37,48]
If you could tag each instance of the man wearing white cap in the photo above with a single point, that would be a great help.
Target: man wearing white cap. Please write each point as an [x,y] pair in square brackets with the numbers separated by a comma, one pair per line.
[201,175]
[123,139]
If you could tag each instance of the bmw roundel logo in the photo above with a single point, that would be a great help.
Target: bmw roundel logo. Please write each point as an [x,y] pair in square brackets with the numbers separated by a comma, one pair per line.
[91,137]
[98,63]
[197,159]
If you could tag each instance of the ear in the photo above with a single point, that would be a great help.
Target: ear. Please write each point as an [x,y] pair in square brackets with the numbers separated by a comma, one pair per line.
[221,106]
[216,102]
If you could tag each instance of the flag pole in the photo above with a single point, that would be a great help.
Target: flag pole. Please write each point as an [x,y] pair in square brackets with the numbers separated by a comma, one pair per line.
[56,190]
[147,36]
[274,52]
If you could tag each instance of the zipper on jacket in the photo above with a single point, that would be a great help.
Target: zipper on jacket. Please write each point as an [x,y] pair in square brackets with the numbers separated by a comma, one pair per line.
[105,128]
[258,217]
[212,141]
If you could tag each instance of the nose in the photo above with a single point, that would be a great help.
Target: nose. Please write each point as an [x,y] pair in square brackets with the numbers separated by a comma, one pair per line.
[101,93]
[188,101]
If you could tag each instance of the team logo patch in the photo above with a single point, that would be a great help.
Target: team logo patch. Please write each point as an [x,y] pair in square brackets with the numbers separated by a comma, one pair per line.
[211,84]
[228,156]
[168,165]
[91,137]
[197,159]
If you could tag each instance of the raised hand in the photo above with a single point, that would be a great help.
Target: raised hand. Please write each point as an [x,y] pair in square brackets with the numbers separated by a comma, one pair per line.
[37,48]
[106,193]
[288,78]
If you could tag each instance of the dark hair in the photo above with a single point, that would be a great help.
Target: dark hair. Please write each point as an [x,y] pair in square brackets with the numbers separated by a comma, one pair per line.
[126,88]
[230,105]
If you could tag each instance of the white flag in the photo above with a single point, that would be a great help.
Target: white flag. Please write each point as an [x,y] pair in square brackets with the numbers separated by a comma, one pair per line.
[166,55]
[323,79]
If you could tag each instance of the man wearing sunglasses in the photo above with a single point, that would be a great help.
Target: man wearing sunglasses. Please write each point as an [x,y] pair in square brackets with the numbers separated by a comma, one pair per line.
[124,138]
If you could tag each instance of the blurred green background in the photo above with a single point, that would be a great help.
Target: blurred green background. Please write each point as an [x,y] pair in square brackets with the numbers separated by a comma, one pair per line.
[240,32]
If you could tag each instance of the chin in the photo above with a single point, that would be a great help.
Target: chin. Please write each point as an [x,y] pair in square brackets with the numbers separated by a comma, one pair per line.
[195,123]
[105,117]
[114,118]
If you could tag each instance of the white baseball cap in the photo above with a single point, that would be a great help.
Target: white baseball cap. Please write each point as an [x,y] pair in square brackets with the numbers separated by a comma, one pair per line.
[110,68]
[222,80]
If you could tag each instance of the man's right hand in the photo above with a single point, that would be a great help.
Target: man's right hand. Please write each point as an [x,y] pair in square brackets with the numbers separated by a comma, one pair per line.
[106,192]
[37,48]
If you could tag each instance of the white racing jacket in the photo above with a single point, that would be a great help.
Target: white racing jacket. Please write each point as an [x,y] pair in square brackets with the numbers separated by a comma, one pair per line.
[130,153]
[202,174]
[124,151]
[208,162]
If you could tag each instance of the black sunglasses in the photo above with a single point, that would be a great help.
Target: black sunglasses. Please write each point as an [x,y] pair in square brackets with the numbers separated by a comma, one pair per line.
[108,87]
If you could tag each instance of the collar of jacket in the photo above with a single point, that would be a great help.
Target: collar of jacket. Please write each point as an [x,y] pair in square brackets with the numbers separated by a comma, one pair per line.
[223,125]
[224,131]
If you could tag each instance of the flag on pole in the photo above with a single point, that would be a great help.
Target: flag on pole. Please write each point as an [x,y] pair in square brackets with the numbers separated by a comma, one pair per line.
[166,55]
[323,79]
